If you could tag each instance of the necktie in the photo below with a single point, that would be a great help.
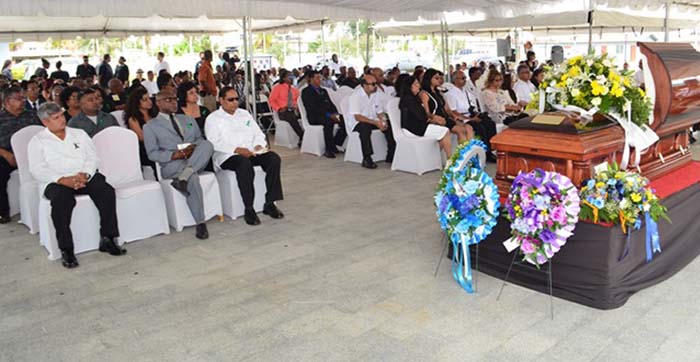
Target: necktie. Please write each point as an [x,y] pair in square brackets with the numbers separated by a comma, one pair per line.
[289,97]
[176,126]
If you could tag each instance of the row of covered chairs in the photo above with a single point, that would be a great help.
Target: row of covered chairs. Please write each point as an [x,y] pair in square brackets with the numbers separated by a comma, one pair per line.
[145,207]
[413,154]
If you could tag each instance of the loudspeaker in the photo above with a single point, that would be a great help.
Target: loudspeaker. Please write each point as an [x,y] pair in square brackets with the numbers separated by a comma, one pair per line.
[557,54]
[503,47]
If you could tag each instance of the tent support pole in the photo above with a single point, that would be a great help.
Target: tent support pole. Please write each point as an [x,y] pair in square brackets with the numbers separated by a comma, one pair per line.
[591,10]
[667,8]
[323,43]
[367,43]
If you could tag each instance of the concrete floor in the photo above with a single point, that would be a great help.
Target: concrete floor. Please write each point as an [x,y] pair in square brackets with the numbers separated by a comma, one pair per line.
[346,276]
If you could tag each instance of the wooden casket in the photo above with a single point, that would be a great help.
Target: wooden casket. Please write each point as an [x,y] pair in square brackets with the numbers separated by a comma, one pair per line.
[674,67]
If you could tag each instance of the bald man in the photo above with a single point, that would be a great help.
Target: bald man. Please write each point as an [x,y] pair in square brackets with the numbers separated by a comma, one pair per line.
[365,114]
[176,143]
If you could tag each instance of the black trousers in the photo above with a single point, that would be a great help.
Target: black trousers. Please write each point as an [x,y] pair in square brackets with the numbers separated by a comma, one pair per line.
[510,119]
[365,131]
[328,137]
[293,120]
[485,128]
[245,174]
[63,201]
[5,171]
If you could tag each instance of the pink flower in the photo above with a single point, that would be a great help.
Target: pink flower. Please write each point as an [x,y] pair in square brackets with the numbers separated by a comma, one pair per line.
[527,247]
[559,215]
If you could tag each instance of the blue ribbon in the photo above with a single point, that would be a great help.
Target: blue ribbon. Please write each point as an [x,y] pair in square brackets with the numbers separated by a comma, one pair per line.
[653,245]
[461,265]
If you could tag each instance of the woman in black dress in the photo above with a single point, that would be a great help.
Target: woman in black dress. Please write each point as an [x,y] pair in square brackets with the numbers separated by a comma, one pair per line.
[139,110]
[415,120]
[187,101]
[436,109]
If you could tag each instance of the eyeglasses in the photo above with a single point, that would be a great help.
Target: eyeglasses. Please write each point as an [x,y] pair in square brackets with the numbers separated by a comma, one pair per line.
[232,99]
[460,78]
[371,84]
[170,99]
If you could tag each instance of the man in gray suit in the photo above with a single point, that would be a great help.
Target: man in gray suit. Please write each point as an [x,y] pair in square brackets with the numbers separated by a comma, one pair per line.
[91,119]
[176,143]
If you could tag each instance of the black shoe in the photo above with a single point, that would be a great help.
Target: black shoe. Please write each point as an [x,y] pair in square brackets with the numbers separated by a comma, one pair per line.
[251,218]
[202,232]
[337,150]
[272,211]
[107,245]
[368,163]
[4,219]
[69,261]
[180,185]
[329,154]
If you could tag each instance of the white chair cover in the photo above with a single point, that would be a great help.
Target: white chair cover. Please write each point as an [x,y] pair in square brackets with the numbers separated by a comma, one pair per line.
[231,200]
[140,203]
[413,154]
[28,187]
[119,115]
[345,91]
[313,142]
[353,150]
[284,134]
[179,215]
[13,193]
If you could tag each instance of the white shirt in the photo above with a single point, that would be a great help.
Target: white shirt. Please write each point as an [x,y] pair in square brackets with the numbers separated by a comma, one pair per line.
[226,132]
[151,87]
[390,90]
[335,67]
[360,103]
[475,95]
[161,65]
[523,90]
[329,83]
[457,99]
[51,158]
[639,77]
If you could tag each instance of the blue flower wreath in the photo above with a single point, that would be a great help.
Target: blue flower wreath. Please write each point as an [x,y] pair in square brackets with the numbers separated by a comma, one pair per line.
[467,207]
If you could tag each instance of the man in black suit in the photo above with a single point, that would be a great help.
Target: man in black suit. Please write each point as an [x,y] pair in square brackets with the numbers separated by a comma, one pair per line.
[321,111]
[32,93]
[85,70]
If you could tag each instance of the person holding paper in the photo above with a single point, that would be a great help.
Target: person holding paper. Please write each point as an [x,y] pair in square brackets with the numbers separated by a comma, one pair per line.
[239,145]
[176,143]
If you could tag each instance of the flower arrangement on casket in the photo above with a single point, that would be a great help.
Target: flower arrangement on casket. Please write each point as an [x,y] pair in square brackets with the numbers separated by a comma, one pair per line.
[623,198]
[591,84]
[467,206]
[543,208]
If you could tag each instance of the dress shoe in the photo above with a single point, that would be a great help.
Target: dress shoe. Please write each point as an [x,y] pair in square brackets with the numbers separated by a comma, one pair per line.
[272,211]
[368,163]
[69,261]
[202,232]
[107,245]
[251,218]
[4,219]
[180,185]
[329,154]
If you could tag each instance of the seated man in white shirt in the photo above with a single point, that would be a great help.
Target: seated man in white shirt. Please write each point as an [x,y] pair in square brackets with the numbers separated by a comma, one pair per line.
[462,101]
[65,161]
[239,145]
[523,87]
[365,114]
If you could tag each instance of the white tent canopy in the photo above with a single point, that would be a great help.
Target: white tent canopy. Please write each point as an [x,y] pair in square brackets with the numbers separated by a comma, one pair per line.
[38,28]
[601,19]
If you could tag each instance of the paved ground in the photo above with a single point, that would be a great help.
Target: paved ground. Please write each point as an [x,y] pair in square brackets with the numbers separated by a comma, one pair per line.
[346,276]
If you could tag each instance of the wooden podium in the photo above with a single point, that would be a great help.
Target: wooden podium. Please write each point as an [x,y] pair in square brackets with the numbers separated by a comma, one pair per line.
[675,85]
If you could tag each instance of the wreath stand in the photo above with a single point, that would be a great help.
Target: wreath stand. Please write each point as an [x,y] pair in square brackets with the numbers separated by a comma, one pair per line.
[443,254]
[527,265]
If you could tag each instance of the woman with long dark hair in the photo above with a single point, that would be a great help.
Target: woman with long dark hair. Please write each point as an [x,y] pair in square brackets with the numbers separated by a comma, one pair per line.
[71,102]
[137,113]
[436,109]
[415,120]
[187,103]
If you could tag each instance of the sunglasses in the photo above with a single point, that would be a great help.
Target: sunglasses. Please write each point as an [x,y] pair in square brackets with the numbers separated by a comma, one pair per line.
[232,99]
[371,84]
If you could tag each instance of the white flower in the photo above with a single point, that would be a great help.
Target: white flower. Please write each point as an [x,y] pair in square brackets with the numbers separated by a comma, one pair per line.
[605,91]
[601,79]
[589,62]
[624,203]
[607,63]
[575,92]
[596,101]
